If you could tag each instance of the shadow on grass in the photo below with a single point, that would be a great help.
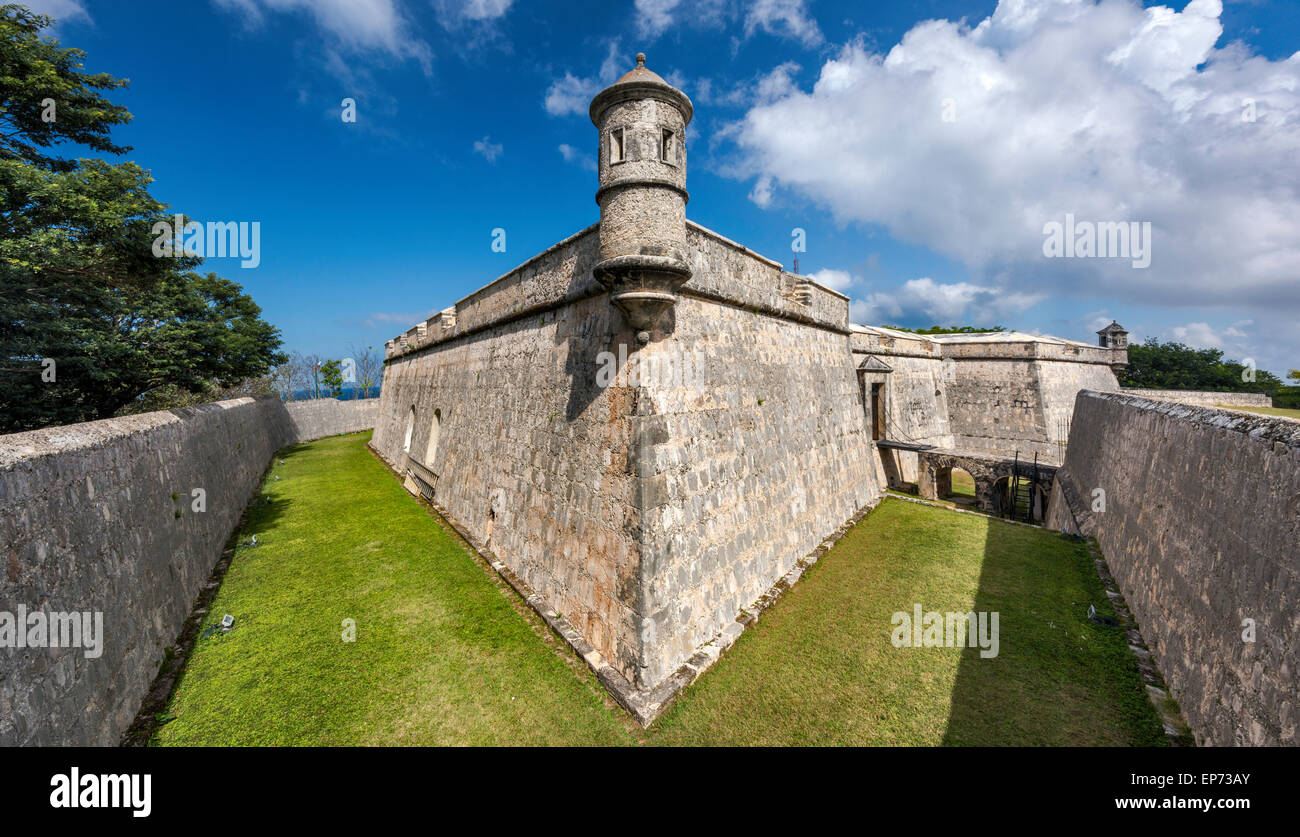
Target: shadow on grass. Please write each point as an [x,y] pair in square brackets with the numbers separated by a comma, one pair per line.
[1058,678]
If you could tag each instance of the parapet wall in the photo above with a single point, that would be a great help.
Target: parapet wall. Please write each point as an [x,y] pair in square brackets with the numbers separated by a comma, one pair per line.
[1200,526]
[100,517]
[1200,398]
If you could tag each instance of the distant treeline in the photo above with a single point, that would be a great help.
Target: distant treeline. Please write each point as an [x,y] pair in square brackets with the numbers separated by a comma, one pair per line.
[937,329]
[1156,365]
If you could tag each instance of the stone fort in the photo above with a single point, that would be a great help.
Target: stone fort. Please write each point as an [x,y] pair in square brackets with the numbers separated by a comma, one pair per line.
[651,510]
[650,432]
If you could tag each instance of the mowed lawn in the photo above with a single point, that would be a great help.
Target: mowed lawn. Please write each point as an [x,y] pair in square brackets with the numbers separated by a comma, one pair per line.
[446,654]
[441,655]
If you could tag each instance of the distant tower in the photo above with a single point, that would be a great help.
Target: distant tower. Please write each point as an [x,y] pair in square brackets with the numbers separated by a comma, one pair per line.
[1113,336]
[642,122]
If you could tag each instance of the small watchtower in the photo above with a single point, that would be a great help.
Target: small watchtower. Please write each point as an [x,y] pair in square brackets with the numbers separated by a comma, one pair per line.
[642,122]
[1113,336]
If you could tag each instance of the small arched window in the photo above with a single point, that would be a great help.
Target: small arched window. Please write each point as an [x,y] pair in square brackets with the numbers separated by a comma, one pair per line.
[410,429]
[431,449]
[667,148]
[616,146]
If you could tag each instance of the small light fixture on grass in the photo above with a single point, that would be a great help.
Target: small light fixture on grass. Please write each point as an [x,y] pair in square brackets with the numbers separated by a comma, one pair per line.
[227,622]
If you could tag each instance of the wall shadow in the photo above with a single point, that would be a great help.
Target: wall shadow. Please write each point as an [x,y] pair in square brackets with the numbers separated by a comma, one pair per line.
[1059,678]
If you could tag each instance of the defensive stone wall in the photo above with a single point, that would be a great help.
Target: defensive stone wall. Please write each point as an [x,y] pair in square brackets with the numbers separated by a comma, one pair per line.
[101,517]
[1199,525]
[753,461]
[992,393]
[1200,398]
[649,500]
[532,454]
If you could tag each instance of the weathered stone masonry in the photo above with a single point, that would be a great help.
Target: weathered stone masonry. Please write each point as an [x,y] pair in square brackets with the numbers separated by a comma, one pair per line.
[99,517]
[1201,529]
[651,510]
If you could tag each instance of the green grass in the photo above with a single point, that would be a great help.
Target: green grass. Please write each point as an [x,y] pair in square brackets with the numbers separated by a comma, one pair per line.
[442,655]
[963,484]
[446,654]
[1285,412]
[819,668]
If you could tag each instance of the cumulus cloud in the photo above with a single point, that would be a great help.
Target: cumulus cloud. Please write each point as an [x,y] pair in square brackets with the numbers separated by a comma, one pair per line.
[836,280]
[954,303]
[489,149]
[968,140]
[357,25]
[573,94]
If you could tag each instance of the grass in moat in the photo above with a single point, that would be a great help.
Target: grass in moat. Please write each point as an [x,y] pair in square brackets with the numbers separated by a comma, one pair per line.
[442,654]
[820,667]
[445,653]
[963,484]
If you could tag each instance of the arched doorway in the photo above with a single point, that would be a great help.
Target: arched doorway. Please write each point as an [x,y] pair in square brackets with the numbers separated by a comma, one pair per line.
[431,449]
[960,487]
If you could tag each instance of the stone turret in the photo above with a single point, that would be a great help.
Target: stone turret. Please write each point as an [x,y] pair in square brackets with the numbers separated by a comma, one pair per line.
[1113,336]
[642,121]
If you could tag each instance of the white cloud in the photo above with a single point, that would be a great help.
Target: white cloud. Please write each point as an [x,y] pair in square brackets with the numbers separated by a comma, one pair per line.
[577,155]
[761,194]
[654,17]
[63,11]
[570,94]
[1197,335]
[457,14]
[836,280]
[490,150]
[956,303]
[573,94]
[357,25]
[1105,110]
[783,17]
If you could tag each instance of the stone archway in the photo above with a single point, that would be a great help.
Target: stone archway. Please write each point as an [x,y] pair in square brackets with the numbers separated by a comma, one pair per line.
[991,475]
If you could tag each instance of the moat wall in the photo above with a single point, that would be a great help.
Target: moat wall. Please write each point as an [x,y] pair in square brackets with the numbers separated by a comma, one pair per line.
[1198,398]
[1200,528]
[100,517]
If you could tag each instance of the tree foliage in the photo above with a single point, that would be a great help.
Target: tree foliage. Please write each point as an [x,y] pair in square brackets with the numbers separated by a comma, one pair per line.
[90,320]
[938,329]
[34,71]
[1156,365]
[331,376]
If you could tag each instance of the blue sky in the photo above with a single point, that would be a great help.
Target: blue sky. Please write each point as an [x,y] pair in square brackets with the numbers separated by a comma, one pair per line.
[921,145]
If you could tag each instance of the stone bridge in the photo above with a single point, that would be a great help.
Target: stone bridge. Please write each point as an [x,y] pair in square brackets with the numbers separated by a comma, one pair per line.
[991,473]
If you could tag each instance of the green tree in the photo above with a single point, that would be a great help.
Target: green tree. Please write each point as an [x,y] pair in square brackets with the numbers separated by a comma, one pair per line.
[1156,365]
[90,320]
[938,329]
[45,96]
[331,375]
